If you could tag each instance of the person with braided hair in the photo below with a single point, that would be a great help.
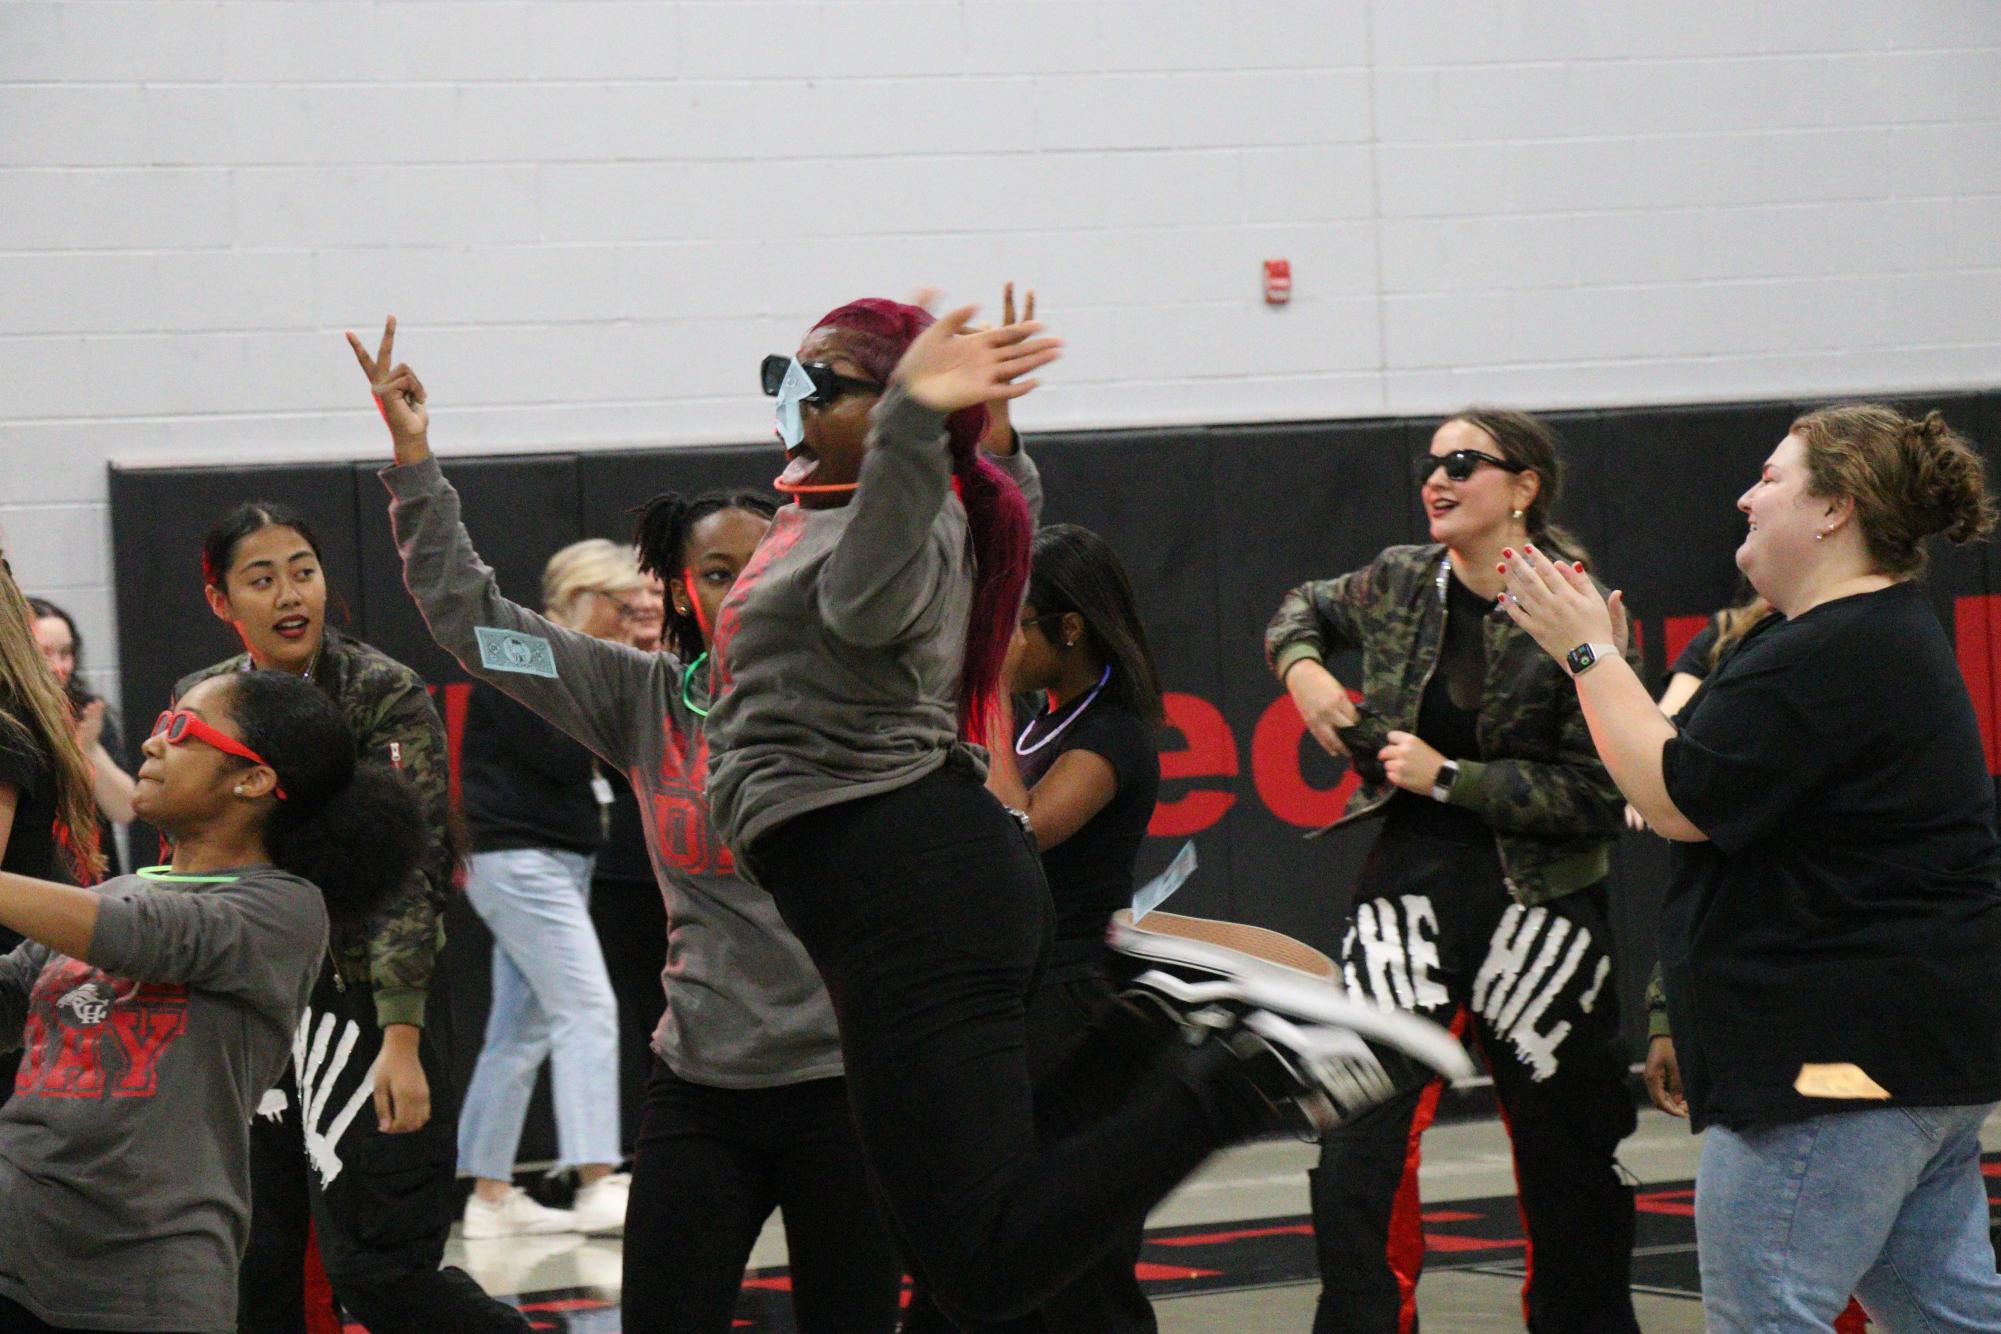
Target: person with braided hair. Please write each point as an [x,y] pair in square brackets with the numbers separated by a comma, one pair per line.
[746,1109]
[1831,934]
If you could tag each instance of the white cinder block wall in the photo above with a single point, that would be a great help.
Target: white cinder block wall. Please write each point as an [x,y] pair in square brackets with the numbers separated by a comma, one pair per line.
[594,218]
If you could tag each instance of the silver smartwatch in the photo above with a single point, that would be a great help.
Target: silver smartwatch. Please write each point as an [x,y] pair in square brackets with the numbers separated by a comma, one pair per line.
[1441,786]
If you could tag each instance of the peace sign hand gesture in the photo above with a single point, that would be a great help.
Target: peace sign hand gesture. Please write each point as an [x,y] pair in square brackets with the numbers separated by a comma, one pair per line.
[946,372]
[399,396]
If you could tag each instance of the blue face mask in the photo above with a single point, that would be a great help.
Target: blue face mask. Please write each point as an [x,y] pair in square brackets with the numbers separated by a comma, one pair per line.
[793,390]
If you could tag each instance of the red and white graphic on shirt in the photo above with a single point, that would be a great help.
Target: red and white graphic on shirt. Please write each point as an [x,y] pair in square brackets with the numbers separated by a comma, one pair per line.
[783,535]
[91,1035]
[679,806]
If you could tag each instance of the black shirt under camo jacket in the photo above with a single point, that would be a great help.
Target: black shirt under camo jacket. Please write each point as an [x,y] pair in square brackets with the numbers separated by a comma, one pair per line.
[394,722]
[1539,784]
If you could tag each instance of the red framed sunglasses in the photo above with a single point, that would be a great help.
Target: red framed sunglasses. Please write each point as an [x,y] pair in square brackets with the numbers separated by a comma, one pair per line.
[180,726]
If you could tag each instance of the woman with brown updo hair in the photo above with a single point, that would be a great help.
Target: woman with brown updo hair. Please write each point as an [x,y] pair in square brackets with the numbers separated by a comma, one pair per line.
[1831,937]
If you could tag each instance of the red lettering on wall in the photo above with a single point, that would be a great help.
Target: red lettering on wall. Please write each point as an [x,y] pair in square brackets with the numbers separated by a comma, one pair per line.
[1976,622]
[1681,629]
[1277,774]
[1210,752]
[454,699]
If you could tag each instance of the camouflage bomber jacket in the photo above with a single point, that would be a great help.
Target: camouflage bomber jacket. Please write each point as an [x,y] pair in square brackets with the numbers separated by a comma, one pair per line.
[1554,810]
[394,721]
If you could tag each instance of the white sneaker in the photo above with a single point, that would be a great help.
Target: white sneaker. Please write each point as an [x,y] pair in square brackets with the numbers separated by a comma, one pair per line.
[517,1215]
[600,1207]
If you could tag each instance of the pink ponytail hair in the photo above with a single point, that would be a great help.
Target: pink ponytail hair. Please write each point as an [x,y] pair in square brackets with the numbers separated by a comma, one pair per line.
[997,517]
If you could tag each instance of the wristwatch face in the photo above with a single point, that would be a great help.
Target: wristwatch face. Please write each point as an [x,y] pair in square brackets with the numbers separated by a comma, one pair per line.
[1581,657]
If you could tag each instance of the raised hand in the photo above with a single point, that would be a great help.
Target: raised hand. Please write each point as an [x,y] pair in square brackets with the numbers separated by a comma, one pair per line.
[399,396]
[946,371]
[999,438]
[90,726]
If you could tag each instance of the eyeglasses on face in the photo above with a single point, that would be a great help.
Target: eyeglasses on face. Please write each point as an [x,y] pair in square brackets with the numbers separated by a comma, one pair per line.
[181,726]
[1461,463]
[828,384]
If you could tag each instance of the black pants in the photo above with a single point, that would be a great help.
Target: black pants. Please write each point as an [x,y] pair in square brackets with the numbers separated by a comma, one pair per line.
[381,1206]
[631,921]
[18,1319]
[1106,1298]
[712,1165]
[926,913]
[1434,930]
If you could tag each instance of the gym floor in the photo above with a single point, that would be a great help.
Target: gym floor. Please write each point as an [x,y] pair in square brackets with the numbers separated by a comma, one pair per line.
[1231,1250]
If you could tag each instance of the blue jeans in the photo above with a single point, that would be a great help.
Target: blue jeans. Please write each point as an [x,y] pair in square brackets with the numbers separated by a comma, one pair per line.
[1887,1203]
[552,1000]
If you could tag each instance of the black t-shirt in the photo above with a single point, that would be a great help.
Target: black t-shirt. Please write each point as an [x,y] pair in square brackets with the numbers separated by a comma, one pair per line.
[1448,717]
[1847,906]
[31,844]
[623,857]
[1693,660]
[524,783]
[1091,872]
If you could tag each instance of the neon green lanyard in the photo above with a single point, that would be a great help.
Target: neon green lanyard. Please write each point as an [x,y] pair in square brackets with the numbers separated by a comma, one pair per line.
[167,873]
[688,681]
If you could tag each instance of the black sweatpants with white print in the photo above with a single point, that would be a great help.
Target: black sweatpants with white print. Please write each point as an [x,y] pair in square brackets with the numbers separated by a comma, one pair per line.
[380,1206]
[1434,930]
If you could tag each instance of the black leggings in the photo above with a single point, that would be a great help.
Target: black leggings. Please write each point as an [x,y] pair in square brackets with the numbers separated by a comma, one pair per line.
[711,1165]
[927,915]
[382,1222]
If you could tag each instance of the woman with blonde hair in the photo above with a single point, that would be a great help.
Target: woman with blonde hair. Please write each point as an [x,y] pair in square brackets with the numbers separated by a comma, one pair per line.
[535,808]
[48,815]
[1831,938]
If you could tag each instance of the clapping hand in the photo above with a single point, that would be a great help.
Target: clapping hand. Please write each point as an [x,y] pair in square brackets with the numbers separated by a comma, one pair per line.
[1558,604]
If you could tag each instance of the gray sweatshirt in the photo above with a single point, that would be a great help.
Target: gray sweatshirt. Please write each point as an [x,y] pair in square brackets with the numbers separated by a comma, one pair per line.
[745,1007]
[841,645]
[125,1150]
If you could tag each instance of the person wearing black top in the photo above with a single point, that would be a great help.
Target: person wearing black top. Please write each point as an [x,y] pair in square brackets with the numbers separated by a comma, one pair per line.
[1482,904]
[97,728]
[1085,769]
[534,804]
[1831,939]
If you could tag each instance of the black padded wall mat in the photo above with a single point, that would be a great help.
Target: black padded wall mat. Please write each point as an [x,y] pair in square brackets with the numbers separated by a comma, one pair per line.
[1215,525]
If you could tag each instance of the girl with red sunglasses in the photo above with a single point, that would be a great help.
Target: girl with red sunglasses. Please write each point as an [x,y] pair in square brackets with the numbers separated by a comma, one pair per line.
[157,1009]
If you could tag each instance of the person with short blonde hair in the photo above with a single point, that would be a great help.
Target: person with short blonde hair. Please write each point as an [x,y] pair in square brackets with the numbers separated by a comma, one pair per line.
[535,806]
[1831,938]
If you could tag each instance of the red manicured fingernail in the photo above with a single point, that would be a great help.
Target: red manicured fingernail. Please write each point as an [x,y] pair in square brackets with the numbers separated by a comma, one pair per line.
[1507,551]
[1578,566]
[1502,567]
[1530,550]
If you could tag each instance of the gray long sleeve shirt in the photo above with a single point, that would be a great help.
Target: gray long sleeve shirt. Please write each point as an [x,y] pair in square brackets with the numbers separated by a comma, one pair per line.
[841,645]
[745,1007]
[125,1150]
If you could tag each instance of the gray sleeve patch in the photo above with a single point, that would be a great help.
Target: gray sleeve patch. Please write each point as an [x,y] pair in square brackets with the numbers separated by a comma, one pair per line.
[512,651]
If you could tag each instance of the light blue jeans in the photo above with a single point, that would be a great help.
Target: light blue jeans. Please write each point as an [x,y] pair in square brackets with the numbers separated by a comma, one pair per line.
[552,1000]
[1887,1204]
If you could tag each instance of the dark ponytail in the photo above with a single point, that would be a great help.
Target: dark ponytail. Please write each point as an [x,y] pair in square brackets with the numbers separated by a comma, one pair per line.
[1077,571]
[356,830]
[666,522]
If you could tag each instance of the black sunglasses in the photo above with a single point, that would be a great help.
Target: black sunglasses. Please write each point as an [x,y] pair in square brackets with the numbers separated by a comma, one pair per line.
[1460,464]
[828,385]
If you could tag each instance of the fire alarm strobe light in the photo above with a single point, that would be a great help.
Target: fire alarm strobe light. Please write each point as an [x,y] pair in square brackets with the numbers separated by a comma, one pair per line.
[1278,281]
